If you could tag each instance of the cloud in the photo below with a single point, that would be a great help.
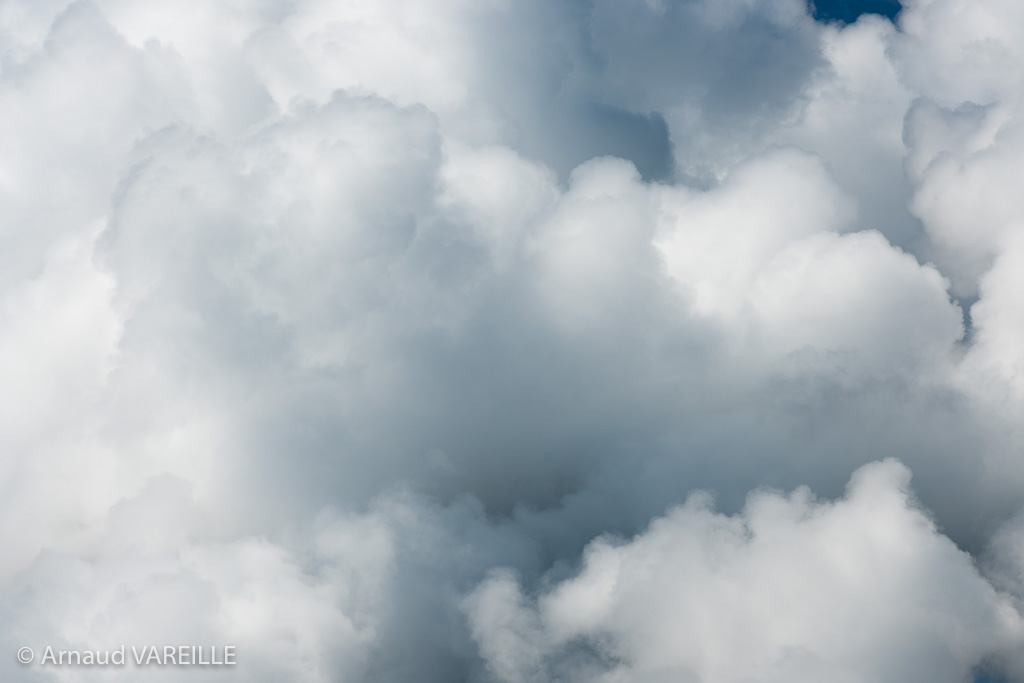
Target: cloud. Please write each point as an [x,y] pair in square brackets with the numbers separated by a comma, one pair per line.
[155,584]
[862,588]
[356,334]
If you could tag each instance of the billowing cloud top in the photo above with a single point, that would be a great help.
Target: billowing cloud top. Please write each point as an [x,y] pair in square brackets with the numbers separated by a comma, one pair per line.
[573,340]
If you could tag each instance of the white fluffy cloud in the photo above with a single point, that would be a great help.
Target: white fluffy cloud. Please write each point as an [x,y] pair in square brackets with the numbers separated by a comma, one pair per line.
[343,331]
[863,588]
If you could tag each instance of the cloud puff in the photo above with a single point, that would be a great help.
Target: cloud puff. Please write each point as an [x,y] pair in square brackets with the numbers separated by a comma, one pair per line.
[154,583]
[862,588]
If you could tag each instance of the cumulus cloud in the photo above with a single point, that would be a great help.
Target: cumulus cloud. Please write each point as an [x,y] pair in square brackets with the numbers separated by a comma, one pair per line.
[862,588]
[386,340]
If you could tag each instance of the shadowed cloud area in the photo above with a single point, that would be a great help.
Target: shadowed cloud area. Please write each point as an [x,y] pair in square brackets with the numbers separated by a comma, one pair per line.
[617,341]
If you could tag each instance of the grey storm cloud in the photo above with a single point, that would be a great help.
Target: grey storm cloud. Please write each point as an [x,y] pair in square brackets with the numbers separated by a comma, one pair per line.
[449,340]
